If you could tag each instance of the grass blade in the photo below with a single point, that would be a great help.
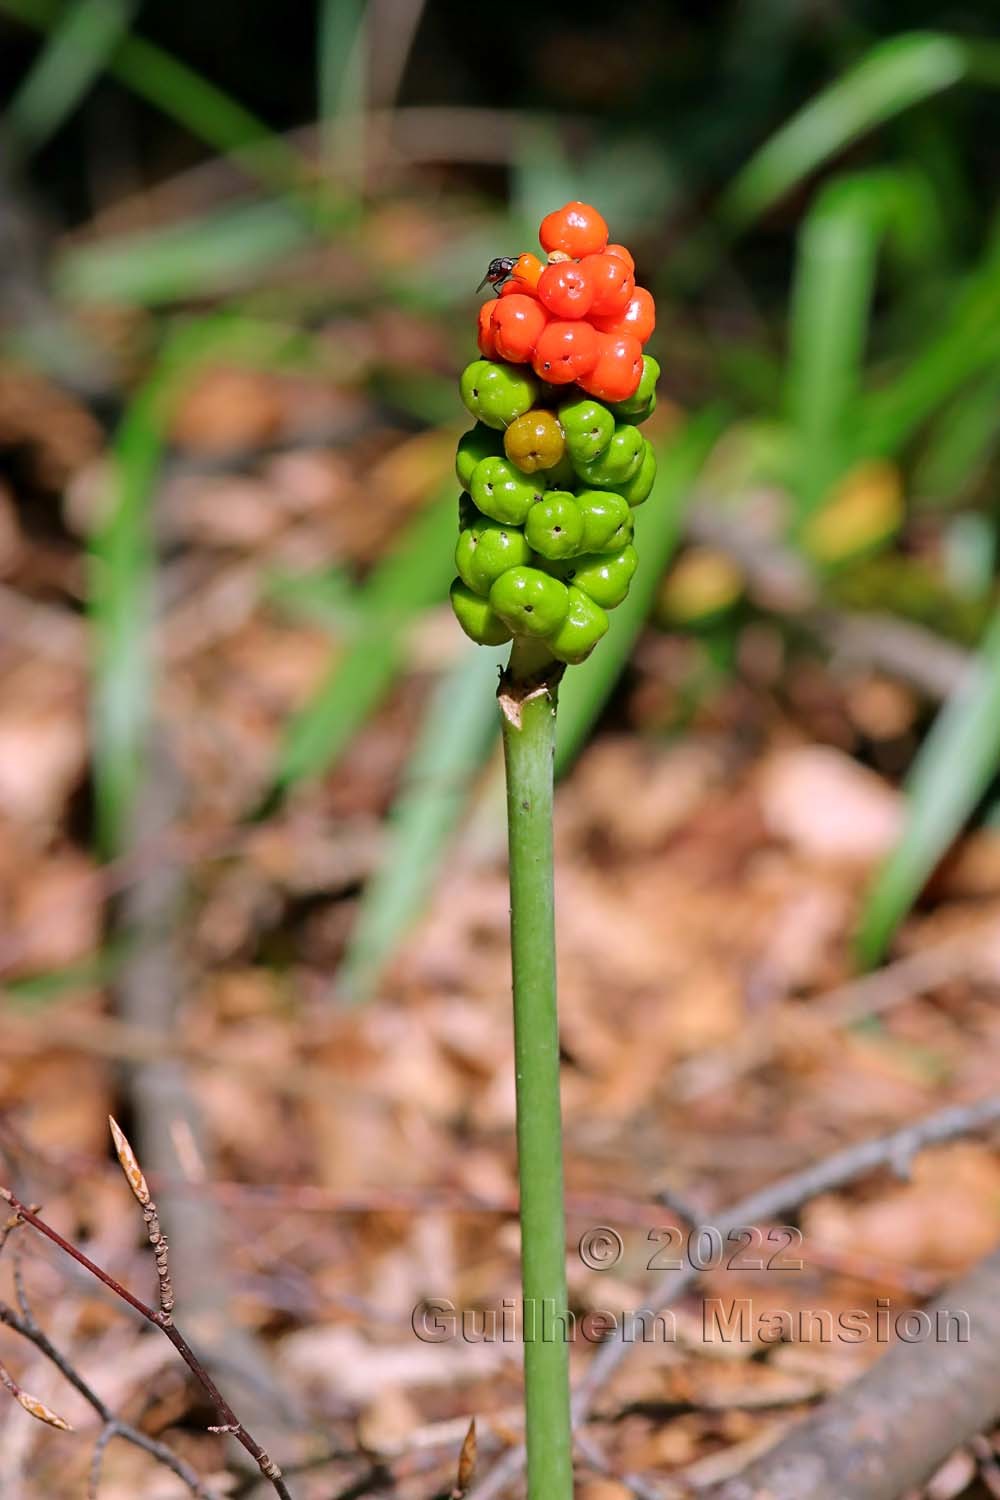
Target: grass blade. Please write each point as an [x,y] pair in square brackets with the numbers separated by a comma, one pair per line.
[892,77]
[208,112]
[585,689]
[342,45]
[952,771]
[197,258]
[122,571]
[831,306]
[75,53]
[968,343]
[411,578]
[960,447]
[460,727]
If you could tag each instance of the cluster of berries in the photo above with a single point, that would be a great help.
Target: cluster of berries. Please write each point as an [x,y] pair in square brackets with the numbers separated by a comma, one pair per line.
[556,462]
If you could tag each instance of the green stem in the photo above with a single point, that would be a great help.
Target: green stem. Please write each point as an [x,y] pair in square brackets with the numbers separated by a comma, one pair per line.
[528,704]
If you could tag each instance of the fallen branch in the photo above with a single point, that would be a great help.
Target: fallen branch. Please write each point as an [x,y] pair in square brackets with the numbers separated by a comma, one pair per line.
[890,1430]
[788,1194]
[160,1317]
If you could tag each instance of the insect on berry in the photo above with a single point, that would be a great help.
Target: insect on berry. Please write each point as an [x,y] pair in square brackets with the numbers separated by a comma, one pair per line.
[498,272]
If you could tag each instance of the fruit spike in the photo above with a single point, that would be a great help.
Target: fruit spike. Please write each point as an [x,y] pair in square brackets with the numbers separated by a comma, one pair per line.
[556,464]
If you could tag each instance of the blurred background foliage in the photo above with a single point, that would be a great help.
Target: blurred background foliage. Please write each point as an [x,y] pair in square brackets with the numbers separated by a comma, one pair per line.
[235,235]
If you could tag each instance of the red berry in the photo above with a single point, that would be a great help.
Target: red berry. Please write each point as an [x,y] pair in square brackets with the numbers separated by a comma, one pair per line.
[613,284]
[638,319]
[576,228]
[620,253]
[527,269]
[618,371]
[566,289]
[486,339]
[517,322]
[565,351]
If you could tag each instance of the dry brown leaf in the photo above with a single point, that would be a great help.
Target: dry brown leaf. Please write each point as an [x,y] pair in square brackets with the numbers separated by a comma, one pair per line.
[827,806]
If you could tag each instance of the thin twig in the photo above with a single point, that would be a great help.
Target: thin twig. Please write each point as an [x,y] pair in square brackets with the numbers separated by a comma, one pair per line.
[31,1404]
[112,1426]
[140,1192]
[895,1150]
[161,1318]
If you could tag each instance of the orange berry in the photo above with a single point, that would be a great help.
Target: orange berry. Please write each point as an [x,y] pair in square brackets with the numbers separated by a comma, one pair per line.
[613,284]
[576,228]
[517,322]
[618,370]
[566,289]
[638,319]
[620,253]
[486,339]
[565,351]
[527,269]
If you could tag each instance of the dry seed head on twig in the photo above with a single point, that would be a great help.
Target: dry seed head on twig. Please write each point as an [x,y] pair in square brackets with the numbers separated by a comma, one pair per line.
[129,1164]
[32,1405]
[466,1463]
[140,1191]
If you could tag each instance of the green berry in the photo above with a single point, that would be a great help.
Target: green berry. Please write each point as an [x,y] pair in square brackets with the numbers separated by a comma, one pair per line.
[563,475]
[619,461]
[582,628]
[531,602]
[604,577]
[638,417]
[476,618]
[468,513]
[639,486]
[503,492]
[555,526]
[604,514]
[479,442]
[487,549]
[497,393]
[644,392]
[588,425]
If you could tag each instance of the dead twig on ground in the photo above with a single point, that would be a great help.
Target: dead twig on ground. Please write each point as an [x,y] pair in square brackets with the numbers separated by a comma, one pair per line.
[887,1432]
[785,1196]
[160,1317]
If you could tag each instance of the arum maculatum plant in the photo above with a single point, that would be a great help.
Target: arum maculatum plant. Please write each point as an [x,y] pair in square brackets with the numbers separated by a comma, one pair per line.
[550,473]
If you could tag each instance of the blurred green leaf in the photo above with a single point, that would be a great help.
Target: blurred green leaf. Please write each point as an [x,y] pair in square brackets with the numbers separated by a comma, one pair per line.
[969,554]
[327,597]
[631,178]
[342,47]
[75,52]
[967,343]
[208,112]
[892,77]
[122,571]
[459,729]
[35,990]
[585,689]
[960,445]
[831,304]
[195,259]
[952,771]
[413,577]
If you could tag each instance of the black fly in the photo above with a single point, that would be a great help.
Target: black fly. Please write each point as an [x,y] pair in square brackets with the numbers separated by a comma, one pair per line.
[498,272]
